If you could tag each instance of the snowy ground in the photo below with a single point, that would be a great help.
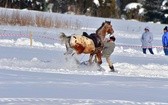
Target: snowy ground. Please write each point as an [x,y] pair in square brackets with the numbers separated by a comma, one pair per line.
[41,74]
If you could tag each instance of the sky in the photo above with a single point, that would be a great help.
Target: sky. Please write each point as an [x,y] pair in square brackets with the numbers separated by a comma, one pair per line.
[42,74]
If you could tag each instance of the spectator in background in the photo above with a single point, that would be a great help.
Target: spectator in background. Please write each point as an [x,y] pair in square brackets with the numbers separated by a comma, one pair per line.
[147,39]
[165,40]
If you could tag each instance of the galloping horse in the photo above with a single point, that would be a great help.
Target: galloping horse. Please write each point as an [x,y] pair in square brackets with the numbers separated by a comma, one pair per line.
[88,44]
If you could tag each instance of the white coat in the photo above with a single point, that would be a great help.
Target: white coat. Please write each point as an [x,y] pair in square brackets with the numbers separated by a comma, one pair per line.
[147,39]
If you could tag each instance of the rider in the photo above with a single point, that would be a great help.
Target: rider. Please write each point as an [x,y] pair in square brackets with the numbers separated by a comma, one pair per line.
[108,49]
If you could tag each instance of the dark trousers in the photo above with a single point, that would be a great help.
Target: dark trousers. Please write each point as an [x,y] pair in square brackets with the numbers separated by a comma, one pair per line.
[150,50]
[165,49]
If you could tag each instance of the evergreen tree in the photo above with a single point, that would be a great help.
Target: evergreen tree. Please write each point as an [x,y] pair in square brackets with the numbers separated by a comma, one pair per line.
[94,8]
[153,10]
[44,5]
[113,8]
[165,11]
[56,6]
[63,6]
[107,8]
[125,2]
[79,6]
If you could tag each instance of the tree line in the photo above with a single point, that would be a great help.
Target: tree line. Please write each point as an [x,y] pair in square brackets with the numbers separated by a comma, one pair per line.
[104,8]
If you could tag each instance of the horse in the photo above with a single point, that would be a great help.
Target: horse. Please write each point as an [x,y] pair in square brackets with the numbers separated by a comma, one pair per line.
[88,44]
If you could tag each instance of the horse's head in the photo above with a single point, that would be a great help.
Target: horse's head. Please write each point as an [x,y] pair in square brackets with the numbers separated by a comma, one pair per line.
[108,27]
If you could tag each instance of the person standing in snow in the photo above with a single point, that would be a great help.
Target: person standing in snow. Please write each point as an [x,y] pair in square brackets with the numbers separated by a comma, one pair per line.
[108,49]
[147,39]
[165,40]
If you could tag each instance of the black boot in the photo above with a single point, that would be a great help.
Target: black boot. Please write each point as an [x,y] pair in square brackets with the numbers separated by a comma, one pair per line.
[112,68]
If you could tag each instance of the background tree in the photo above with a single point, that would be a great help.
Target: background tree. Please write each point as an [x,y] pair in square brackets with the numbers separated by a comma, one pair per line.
[118,9]
[113,9]
[55,6]
[107,8]
[164,9]
[94,9]
[63,6]
[124,3]
[153,10]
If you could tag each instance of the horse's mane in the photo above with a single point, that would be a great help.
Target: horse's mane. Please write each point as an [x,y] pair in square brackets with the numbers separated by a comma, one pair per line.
[108,22]
[100,28]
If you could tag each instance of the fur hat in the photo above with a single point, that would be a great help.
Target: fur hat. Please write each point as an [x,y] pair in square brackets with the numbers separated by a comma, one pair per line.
[147,28]
[166,28]
[112,38]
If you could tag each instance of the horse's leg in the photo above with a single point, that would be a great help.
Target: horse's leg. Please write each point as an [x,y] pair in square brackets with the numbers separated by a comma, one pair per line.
[95,59]
[90,58]
[69,49]
[99,58]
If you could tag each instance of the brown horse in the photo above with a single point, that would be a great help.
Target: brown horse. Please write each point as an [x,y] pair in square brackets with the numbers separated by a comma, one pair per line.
[86,44]
[105,28]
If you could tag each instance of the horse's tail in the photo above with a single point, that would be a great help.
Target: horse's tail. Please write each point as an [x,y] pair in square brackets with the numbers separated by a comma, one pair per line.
[64,38]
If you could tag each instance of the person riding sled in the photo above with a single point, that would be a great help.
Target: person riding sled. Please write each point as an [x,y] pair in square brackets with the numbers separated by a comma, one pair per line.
[108,49]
